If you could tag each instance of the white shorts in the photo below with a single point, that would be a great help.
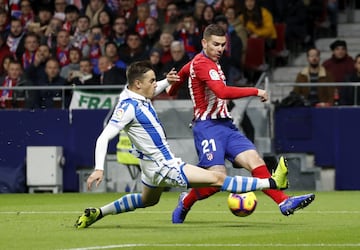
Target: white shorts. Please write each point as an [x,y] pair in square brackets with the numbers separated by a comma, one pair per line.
[163,173]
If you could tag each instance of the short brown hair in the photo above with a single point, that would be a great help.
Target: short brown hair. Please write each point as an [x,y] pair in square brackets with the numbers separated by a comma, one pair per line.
[137,70]
[213,30]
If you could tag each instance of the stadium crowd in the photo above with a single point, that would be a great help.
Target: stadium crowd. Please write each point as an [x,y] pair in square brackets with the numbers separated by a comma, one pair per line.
[91,42]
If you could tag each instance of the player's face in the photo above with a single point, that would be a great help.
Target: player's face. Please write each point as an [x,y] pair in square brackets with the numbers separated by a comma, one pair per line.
[148,84]
[214,47]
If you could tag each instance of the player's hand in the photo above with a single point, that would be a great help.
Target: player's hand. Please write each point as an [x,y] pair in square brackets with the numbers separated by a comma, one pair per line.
[172,76]
[263,95]
[97,176]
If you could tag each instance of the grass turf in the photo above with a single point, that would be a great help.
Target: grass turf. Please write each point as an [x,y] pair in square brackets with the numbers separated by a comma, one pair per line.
[45,221]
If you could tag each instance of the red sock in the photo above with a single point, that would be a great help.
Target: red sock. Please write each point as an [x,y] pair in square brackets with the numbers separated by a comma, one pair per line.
[277,195]
[196,194]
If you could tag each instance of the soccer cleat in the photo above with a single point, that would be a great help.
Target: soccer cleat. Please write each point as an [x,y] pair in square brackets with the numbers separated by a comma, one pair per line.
[179,213]
[89,216]
[280,174]
[290,205]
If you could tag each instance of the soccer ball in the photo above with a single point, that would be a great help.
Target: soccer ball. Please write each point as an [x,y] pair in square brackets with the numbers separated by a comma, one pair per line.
[242,205]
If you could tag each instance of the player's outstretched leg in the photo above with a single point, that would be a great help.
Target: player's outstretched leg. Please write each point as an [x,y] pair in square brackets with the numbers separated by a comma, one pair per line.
[291,204]
[180,212]
[89,216]
[280,174]
[187,200]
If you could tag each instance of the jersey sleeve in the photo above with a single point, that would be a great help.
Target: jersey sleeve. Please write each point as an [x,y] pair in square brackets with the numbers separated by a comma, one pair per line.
[209,74]
[184,75]
[122,115]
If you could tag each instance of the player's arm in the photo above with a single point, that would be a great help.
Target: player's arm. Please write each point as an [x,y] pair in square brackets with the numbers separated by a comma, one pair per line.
[171,78]
[121,116]
[214,82]
[183,75]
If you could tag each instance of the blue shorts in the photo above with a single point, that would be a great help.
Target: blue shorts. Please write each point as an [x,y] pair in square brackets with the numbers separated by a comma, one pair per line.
[217,140]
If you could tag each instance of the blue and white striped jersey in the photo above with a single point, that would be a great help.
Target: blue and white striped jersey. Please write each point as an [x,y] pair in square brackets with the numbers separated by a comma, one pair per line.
[137,117]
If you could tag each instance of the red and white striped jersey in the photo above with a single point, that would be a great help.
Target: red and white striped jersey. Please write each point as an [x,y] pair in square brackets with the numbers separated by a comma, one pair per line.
[208,90]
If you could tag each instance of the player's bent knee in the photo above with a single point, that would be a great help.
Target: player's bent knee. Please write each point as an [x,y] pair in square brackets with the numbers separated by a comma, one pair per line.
[220,177]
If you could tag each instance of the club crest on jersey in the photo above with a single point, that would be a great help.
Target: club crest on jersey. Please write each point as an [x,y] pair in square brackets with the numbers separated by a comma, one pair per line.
[209,156]
[214,75]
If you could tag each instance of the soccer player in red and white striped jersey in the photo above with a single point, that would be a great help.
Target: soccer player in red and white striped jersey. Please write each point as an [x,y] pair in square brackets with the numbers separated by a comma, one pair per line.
[216,137]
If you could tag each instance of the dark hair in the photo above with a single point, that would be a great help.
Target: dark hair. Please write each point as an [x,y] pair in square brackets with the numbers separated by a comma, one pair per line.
[254,15]
[84,16]
[213,30]
[71,9]
[137,70]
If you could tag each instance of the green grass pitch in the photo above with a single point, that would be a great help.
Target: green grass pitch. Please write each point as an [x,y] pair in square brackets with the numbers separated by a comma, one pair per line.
[45,221]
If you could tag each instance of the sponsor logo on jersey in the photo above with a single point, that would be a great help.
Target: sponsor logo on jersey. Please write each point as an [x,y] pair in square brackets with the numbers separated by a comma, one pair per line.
[214,75]
[118,114]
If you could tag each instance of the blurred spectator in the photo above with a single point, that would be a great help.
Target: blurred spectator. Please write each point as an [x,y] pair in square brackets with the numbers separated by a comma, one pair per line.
[45,98]
[189,35]
[133,51]
[315,73]
[207,17]
[74,57]
[4,23]
[164,44]
[119,30]
[5,64]
[4,51]
[59,9]
[112,6]
[160,11]
[234,24]
[179,58]
[62,48]
[153,32]
[172,18]
[71,15]
[31,44]
[111,75]
[36,70]
[27,14]
[44,15]
[86,75]
[50,35]
[105,21]
[225,4]
[349,94]
[143,12]
[259,22]
[340,64]
[154,56]
[231,60]
[81,35]
[198,10]
[112,52]
[12,78]
[93,10]
[127,9]
[97,42]
[15,38]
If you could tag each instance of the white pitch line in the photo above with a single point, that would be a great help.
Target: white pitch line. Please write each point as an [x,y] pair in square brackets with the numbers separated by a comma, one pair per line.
[161,212]
[247,245]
